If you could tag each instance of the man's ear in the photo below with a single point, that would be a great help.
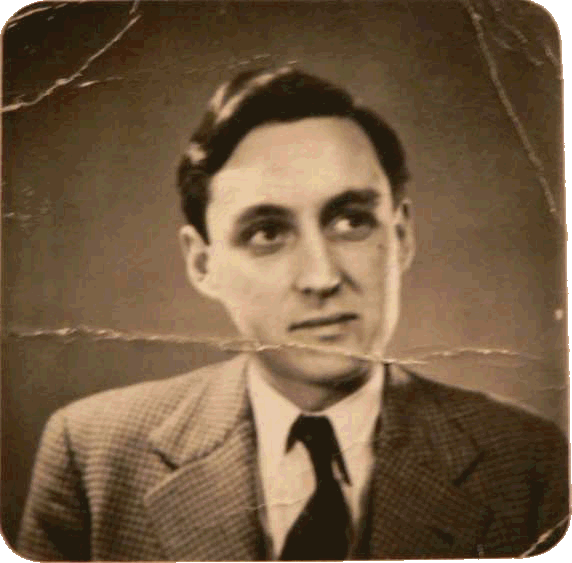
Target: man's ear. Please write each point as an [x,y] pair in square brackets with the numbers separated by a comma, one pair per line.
[196,252]
[405,234]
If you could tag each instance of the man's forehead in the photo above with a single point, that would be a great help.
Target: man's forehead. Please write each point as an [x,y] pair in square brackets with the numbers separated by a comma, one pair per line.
[273,144]
[242,188]
[309,160]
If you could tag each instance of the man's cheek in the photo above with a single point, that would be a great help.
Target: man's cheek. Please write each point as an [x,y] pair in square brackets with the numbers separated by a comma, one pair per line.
[250,287]
[258,319]
[366,265]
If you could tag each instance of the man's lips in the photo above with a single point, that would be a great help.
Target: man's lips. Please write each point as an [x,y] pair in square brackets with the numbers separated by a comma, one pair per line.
[324,321]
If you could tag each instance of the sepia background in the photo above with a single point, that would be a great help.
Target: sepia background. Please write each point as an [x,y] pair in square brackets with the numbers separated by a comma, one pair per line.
[99,100]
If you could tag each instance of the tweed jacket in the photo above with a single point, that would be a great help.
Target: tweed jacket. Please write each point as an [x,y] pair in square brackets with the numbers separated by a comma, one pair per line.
[167,470]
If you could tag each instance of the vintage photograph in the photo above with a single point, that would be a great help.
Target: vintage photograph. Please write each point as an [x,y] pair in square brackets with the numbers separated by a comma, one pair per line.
[283,281]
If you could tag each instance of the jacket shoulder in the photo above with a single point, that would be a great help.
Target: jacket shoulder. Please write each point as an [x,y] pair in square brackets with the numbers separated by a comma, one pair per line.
[492,421]
[519,467]
[130,412]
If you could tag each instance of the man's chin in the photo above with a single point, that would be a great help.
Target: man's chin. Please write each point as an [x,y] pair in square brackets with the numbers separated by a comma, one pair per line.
[315,365]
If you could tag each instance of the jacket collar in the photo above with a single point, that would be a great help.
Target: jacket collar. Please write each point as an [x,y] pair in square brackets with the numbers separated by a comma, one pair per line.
[204,419]
[207,509]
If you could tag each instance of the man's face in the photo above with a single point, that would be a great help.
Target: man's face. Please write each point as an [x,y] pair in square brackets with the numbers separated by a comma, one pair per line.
[304,249]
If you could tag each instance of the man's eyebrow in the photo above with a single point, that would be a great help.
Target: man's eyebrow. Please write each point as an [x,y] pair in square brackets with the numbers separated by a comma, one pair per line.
[354,196]
[262,210]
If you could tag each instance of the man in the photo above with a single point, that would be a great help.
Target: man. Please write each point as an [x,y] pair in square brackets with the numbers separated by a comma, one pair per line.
[307,445]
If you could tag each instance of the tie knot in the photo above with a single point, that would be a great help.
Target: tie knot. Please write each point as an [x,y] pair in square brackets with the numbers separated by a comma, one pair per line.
[317,434]
[312,431]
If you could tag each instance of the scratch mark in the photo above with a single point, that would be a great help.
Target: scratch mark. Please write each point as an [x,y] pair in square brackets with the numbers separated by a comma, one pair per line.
[514,30]
[457,352]
[23,217]
[505,100]
[520,36]
[226,65]
[189,71]
[549,389]
[88,83]
[97,333]
[501,42]
[238,345]
[551,56]
[15,19]
[134,6]
[546,536]
[26,213]
[533,60]
[64,81]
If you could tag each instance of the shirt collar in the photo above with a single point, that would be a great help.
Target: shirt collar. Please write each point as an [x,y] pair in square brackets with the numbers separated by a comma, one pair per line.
[353,418]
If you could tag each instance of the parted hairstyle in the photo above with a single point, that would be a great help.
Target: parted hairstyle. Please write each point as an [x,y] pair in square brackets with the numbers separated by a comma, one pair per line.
[263,96]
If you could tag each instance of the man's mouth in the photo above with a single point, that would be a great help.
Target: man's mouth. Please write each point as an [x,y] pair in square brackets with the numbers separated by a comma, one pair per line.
[323,321]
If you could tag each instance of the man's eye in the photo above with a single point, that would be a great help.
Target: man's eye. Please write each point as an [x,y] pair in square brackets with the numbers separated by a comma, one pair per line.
[352,226]
[264,239]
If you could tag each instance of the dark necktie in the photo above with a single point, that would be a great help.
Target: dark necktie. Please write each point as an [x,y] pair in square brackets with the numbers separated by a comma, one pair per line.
[321,532]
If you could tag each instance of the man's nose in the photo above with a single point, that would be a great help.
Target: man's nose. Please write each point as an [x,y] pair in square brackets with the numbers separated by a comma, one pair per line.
[318,273]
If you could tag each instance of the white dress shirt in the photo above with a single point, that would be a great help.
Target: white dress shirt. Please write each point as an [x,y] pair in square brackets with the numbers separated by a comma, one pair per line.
[287,478]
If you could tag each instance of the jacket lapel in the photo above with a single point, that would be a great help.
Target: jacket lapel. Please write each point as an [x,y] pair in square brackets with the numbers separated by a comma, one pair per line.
[418,506]
[206,509]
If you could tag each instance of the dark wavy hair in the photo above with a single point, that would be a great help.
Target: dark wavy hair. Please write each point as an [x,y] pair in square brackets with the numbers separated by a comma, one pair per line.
[258,97]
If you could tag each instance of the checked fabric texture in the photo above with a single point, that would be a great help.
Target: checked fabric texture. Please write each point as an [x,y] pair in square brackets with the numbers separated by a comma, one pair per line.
[167,470]
[322,530]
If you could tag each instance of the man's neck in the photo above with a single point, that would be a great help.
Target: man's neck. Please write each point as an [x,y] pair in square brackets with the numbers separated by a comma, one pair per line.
[314,396]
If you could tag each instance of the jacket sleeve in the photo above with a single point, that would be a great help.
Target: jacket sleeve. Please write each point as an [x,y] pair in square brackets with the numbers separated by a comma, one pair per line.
[56,521]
